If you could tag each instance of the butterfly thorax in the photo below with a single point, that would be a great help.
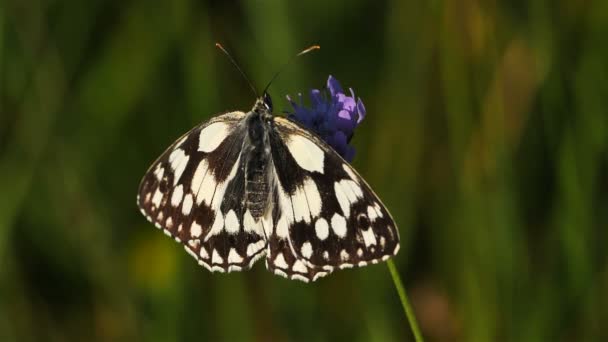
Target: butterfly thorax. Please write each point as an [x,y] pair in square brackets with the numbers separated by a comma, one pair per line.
[257,159]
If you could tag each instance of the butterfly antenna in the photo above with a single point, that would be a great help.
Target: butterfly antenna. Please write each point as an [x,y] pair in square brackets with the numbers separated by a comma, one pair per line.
[303,52]
[219,46]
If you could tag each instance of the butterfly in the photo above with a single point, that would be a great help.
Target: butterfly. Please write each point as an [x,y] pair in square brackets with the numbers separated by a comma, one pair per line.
[243,186]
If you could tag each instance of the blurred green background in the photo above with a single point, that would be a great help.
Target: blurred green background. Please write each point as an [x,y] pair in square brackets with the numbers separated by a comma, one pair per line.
[486,136]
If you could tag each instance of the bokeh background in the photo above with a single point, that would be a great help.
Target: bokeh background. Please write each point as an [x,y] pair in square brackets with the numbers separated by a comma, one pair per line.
[486,136]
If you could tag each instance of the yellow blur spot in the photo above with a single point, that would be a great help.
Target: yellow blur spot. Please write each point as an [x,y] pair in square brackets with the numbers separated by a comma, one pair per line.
[153,261]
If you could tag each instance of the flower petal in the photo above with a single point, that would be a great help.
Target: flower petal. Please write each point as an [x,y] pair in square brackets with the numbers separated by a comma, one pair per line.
[334,86]
[333,116]
[347,102]
[344,114]
[360,110]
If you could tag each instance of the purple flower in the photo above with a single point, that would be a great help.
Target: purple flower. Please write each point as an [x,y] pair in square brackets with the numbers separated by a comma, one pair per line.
[333,116]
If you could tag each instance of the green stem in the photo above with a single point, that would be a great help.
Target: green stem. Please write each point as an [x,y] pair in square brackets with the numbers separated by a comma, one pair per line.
[409,313]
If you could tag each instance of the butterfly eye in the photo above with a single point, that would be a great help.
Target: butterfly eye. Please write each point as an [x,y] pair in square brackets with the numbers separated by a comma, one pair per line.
[268,101]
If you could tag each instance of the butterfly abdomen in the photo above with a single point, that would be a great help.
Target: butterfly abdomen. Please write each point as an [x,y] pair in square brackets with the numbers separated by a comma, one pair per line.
[256,169]
[256,188]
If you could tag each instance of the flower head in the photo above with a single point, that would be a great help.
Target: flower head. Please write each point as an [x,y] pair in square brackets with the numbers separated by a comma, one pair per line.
[333,116]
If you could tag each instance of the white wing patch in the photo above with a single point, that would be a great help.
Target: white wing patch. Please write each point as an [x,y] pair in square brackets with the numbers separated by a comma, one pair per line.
[187,205]
[322,229]
[216,258]
[348,193]
[338,225]
[234,257]
[178,194]
[280,262]
[212,136]
[156,199]
[178,160]
[159,172]
[300,205]
[255,247]
[287,213]
[307,154]
[231,223]
[195,230]
[350,173]
[368,237]
[306,250]
[313,197]
[197,179]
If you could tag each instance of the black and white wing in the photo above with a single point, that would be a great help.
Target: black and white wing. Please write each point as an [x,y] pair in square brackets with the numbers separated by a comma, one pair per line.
[195,193]
[325,216]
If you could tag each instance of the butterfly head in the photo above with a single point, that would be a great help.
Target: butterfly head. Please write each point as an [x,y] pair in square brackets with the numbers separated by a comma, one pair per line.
[267,101]
[263,105]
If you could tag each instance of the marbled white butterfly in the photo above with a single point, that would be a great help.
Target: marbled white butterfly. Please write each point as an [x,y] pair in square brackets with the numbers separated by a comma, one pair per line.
[247,185]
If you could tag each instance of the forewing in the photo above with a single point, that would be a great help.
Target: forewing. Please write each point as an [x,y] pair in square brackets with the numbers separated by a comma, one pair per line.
[336,220]
[195,191]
